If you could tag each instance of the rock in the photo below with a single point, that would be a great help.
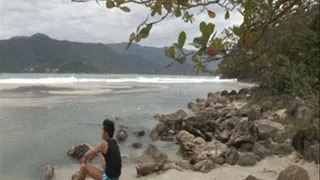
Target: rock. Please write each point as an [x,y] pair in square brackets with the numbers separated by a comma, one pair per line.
[171,165]
[180,114]
[250,177]
[152,160]
[139,132]
[78,151]
[224,93]
[216,149]
[196,107]
[200,100]
[232,156]
[245,147]
[219,106]
[204,166]
[159,129]
[305,138]
[260,150]
[233,92]
[266,131]
[254,113]
[245,132]
[49,171]
[283,149]
[136,145]
[293,172]
[184,164]
[312,153]
[243,91]
[224,136]
[247,159]
[121,135]
[220,161]
[266,106]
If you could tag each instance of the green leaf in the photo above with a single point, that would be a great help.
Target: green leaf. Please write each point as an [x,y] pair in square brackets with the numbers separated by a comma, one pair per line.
[153,13]
[125,9]
[181,60]
[227,15]
[182,39]
[195,59]
[203,27]
[170,52]
[144,33]
[119,2]
[110,4]
[137,38]
[202,68]
[177,12]
[210,28]
[132,37]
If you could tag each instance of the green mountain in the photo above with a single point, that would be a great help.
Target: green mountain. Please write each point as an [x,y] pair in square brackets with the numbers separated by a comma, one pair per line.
[39,54]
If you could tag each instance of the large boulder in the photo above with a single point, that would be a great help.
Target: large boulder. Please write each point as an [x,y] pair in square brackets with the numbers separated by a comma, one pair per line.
[48,171]
[152,160]
[293,172]
[268,129]
[189,144]
[247,159]
[79,151]
[160,129]
[245,132]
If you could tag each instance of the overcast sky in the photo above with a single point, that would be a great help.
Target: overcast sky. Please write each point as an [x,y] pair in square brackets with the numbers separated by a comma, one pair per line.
[89,22]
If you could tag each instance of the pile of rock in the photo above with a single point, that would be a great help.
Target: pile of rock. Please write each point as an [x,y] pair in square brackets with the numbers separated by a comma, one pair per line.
[223,129]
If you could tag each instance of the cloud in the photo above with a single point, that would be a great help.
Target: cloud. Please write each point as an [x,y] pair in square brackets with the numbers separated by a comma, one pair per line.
[89,22]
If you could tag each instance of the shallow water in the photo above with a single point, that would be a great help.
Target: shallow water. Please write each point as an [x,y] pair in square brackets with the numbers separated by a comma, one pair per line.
[38,126]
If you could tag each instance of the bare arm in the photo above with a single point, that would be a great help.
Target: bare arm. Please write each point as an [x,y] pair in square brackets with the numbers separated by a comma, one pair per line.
[99,148]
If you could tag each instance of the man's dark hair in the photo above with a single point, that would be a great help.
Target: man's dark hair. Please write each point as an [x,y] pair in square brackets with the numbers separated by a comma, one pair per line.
[108,126]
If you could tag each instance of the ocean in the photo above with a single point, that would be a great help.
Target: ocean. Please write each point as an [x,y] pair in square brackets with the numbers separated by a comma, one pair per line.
[43,115]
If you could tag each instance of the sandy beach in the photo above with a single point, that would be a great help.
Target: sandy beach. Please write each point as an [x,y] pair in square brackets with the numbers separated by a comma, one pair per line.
[267,169]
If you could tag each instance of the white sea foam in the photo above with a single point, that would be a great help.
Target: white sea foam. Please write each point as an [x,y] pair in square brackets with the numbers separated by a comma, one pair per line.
[156,80]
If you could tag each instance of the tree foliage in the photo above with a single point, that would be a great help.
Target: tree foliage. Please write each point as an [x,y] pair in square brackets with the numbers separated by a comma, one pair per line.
[277,42]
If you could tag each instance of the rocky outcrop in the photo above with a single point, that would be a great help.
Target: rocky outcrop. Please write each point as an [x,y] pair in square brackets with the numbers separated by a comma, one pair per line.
[152,160]
[137,145]
[293,172]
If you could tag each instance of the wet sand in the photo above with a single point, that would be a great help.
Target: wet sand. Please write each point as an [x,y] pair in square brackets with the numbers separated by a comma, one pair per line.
[267,169]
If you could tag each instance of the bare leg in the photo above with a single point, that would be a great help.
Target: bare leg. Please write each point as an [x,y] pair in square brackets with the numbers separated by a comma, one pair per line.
[92,171]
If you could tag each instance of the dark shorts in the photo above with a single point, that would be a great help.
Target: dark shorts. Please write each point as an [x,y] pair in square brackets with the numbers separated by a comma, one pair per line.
[105,177]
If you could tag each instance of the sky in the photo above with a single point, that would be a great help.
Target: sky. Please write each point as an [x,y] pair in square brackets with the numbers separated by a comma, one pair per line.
[90,22]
